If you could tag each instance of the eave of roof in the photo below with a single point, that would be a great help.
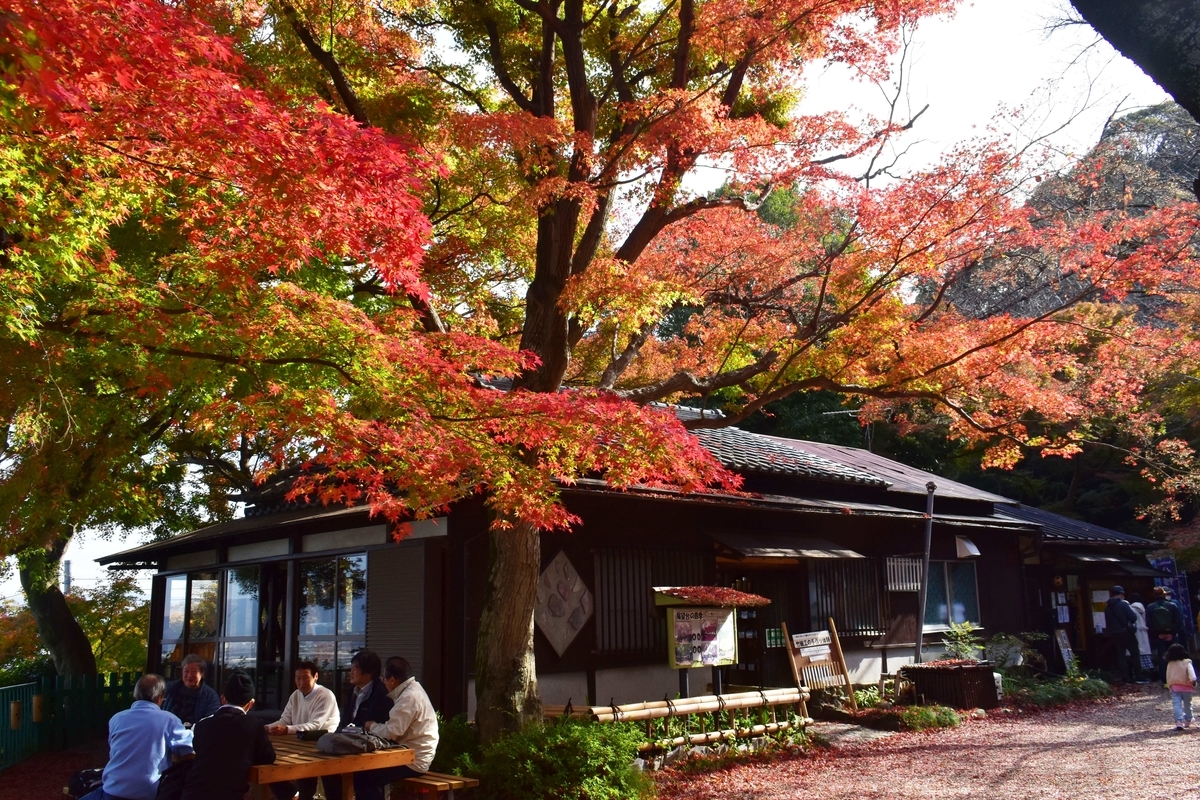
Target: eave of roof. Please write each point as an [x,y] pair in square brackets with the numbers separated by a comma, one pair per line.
[744,451]
[1058,529]
[153,550]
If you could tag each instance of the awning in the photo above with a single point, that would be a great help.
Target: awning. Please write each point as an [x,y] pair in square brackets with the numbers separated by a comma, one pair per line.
[756,545]
[1110,564]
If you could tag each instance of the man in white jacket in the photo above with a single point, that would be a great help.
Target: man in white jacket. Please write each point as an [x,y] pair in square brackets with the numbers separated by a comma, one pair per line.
[412,723]
[310,708]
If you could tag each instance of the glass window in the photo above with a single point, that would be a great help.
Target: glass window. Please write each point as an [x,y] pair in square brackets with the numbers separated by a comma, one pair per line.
[964,594]
[239,655]
[333,615]
[203,606]
[241,602]
[352,595]
[953,594]
[937,610]
[174,607]
[317,597]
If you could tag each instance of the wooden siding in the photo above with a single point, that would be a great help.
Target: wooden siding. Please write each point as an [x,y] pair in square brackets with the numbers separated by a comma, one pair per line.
[846,589]
[396,604]
[626,618]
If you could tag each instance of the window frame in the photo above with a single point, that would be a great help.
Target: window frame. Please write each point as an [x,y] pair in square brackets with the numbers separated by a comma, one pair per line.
[948,597]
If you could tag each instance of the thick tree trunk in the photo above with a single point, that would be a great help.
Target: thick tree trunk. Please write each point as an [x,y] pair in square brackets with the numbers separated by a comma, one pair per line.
[505,673]
[60,633]
[1160,36]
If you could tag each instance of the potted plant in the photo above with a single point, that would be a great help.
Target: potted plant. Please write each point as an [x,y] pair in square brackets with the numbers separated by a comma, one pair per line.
[961,679]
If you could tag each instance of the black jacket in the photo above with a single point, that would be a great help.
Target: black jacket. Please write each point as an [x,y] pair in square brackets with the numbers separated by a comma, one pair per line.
[376,708]
[227,744]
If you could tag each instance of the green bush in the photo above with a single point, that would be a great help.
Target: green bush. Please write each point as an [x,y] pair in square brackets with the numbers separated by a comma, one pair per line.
[1045,694]
[868,697]
[458,751]
[565,760]
[919,718]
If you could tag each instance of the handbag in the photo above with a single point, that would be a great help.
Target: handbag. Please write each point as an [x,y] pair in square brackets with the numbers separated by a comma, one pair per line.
[85,781]
[346,741]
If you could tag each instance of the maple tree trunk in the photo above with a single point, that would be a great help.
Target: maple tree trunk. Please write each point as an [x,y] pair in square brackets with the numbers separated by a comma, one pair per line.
[505,672]
[61,635]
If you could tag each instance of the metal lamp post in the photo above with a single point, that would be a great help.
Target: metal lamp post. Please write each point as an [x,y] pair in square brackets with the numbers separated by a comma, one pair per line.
[924,594]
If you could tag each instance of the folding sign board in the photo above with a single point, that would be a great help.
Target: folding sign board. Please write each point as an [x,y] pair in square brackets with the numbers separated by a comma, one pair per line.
[817,661]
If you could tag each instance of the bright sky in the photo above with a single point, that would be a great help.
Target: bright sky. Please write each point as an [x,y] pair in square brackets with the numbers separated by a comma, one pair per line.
[992,53]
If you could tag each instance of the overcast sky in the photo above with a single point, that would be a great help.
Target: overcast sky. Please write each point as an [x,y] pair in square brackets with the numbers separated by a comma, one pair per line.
[992,53]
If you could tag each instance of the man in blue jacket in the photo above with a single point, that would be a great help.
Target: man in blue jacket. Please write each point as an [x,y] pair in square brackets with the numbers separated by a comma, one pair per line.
[191,699]
[141,741]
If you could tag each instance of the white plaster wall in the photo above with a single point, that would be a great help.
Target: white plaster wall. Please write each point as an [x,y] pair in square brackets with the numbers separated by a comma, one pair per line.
[634,684]
[557,690]
[865,665]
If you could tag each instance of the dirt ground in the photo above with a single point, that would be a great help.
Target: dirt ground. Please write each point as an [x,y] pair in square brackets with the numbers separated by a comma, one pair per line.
[1121,749]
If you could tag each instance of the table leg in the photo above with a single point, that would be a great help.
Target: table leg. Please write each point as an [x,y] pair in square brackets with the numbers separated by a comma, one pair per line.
[348,786]
[260,791]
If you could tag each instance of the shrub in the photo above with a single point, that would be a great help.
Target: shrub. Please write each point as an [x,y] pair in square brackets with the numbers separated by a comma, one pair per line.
[868,697]
[961,642]
[919,718]
[1045,694]
[568,760]
[458,751]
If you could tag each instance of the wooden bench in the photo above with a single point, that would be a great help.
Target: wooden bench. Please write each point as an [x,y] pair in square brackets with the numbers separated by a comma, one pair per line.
[436,784]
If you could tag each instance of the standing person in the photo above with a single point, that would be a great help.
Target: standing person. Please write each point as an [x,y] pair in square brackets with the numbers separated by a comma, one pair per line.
[141,741]
[1121,621]
[227,744]
[1181,679]
[368,702]
[412,723]
[191,699]
[311,707]
[1143,633]
[1165,621]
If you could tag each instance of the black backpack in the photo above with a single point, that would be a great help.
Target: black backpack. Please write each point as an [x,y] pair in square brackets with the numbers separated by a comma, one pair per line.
[1161,619]
[85,781]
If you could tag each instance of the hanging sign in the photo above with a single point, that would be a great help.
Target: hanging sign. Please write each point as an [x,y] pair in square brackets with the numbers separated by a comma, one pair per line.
[701,637]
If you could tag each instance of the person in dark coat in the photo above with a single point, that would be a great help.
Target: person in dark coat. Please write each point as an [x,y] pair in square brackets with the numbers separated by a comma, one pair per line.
[1165,620]
[1121,621]
[191,699]
[368,702]
[227,744]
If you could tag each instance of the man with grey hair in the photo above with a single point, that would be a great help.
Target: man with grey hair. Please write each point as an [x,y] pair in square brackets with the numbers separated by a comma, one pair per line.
[191,699]
[141,741]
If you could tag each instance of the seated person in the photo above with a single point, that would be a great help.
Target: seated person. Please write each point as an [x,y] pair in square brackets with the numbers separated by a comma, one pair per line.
[310,708]
[141,741]
[412,723]
[227,744]
[368,702]
[191,699]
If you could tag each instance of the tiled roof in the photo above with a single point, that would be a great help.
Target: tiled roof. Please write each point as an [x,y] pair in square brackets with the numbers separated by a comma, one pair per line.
[903,478]
[752,452]
[1059,529]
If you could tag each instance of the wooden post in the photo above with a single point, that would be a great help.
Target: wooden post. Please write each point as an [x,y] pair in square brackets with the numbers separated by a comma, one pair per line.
[14,715]
[837,649]
[787,640]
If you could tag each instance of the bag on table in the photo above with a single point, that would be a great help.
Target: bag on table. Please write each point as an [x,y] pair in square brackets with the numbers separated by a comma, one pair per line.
[346,741]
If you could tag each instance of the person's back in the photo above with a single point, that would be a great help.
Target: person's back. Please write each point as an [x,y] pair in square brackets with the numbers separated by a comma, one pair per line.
[1161,616]
[1119,616]
[141,741]
[227,744]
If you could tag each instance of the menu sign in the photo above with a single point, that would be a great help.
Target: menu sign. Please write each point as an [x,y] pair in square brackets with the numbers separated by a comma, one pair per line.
[702,637]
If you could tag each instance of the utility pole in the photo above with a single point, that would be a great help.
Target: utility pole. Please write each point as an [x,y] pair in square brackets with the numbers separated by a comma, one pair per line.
[67,577]
[929,488]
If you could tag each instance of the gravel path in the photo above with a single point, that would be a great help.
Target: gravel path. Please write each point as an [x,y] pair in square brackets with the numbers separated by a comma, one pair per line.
[1116,750]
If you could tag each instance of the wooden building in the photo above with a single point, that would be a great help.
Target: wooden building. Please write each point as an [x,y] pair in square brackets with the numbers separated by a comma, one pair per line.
[823,531]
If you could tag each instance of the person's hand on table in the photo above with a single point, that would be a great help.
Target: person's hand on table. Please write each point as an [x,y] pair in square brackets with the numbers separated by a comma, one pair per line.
[277,730]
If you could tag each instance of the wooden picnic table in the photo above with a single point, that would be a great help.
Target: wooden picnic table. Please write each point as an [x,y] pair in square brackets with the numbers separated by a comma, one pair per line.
[296,759]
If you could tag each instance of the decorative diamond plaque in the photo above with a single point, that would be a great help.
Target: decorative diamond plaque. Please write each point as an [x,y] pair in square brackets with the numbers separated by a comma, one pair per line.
[564,603]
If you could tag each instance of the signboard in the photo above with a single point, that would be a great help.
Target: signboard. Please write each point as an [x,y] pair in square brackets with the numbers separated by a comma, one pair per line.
[1178,585]
[818,662]
[812,648]
[1064,647]
[702,637]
